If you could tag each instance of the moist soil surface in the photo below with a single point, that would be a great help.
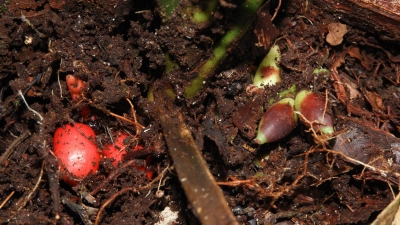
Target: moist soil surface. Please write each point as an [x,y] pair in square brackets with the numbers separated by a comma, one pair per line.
[124,51]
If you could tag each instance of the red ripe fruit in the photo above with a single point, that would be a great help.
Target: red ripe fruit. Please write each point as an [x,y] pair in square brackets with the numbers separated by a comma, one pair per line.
[312,107]
[76,152]
[277,122]
[75,86]
[117,150]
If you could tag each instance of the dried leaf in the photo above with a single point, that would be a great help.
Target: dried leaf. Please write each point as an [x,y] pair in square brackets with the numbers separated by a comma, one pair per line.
[368,145]
[265,31]
[355,53]
[351,86]
[336,33]
[374,99]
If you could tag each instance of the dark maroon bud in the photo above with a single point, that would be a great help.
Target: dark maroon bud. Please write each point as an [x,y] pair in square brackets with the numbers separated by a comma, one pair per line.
[277,122]
[312,108]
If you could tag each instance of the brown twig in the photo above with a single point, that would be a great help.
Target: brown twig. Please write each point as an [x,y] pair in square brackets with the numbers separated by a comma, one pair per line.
[6,200]
[112,199]
[13,145]
[355,161]
[54,184]
[159,177]
[235,183]
[112,175]
[326,105]
[138,129]
[116,115]
[22,202]
[276,10]
[227,4]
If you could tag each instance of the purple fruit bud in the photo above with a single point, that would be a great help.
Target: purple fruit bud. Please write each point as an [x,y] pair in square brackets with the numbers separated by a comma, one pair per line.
[312,107]
[277,122]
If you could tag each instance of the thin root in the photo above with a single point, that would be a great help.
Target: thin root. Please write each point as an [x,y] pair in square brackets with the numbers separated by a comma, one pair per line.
[112,175]
[22,202]
[276,10]
[138,125]
[112,199]
[30,109]
[159,177]
[138,128]
[6,200]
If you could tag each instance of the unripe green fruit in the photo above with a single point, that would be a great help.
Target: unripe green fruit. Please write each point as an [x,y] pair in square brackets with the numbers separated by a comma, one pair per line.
[269,72]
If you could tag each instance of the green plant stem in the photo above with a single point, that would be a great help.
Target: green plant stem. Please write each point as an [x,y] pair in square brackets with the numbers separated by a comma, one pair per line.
[204,16]
[247,11]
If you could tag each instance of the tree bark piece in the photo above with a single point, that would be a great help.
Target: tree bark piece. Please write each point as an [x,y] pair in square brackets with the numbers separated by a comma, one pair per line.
[379,16]
[200,187]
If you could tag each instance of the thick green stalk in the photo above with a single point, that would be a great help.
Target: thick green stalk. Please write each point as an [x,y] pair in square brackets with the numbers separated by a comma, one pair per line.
[247,11]
[200,16]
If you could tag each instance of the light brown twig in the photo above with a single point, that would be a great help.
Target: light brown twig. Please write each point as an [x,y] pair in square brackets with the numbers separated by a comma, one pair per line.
[22,202]
[276,10]
[6,200]
[112,199]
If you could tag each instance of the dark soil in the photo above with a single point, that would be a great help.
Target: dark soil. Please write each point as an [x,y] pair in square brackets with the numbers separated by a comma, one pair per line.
[119,49]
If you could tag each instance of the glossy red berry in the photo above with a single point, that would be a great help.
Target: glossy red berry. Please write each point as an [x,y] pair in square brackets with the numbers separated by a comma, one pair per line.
[312,107]
[76,151]
[116,151]
[277,122]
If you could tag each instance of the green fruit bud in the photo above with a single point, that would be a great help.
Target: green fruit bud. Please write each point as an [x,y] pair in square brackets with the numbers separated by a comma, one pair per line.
[268,72]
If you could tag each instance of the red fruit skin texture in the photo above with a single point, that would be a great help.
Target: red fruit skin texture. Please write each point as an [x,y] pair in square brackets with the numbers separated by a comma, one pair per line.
[312,108]
[117,150]
[278,122]
[75,86]
[77,154]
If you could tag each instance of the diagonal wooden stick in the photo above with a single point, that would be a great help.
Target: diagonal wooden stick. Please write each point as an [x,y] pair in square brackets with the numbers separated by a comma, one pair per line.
[199,185]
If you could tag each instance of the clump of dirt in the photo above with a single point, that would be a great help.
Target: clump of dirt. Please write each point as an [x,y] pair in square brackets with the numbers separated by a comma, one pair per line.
[123,50]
